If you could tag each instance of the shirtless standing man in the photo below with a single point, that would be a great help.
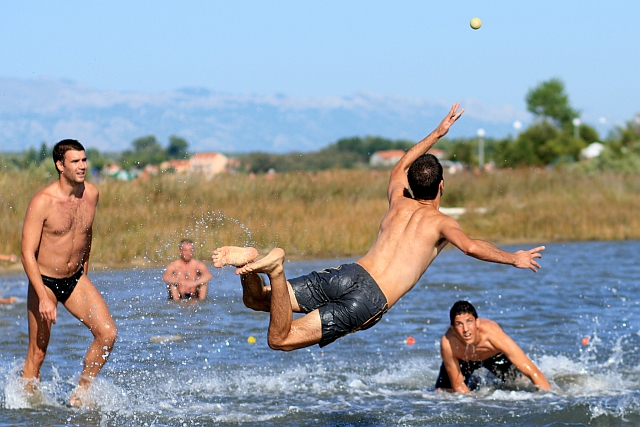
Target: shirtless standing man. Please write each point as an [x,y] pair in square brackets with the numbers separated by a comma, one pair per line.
[56,243]
[355,296]
[187,277]
[471,343]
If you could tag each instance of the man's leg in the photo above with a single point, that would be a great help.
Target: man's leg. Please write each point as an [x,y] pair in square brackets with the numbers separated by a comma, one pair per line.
[255,294]
[89,307]
[39,334]
[284,332]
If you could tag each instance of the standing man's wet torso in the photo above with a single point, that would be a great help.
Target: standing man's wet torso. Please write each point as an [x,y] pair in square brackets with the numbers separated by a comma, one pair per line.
[66,227]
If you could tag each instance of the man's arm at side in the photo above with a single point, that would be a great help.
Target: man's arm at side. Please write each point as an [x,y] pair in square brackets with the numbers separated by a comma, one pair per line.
[31,235]
[87,249]
[453,367]
[205,274]
[398,181]
[485,251]
[503,342]
[172,284]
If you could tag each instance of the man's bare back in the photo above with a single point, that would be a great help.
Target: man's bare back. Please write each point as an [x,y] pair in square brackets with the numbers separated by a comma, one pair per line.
[408,241]
[414,231]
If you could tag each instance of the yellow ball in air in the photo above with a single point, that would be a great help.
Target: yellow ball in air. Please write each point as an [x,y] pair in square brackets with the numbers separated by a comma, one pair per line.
[475,23]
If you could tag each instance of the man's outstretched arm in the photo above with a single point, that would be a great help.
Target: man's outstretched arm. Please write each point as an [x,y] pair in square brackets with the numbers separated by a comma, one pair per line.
[514,353]
[485,251]
[398,181]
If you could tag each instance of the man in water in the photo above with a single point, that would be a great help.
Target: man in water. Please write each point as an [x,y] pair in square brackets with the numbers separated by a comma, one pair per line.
[56,243]
[187,277]
[352,297]
[472,343]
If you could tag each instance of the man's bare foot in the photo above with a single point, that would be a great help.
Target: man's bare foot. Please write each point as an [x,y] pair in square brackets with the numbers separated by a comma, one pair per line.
[80,397]
[233,255]
[32,391]
[268,264]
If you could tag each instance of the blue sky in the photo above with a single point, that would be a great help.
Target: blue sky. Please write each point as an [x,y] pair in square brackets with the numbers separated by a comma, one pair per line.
[415,49]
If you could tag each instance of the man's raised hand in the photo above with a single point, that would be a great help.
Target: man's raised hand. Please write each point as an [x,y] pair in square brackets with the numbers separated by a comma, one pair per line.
[449,120]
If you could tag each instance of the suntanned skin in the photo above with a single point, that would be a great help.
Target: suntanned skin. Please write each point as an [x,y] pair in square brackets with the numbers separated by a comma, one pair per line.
[187,275]
[56,242]
[10,258]
[411,235]
[472,339]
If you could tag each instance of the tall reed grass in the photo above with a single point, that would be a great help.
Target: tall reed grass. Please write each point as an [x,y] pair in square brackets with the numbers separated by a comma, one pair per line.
[327,214]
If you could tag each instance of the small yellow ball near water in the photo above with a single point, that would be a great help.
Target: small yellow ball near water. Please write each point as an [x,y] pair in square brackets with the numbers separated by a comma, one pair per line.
[251,340]
[475,23]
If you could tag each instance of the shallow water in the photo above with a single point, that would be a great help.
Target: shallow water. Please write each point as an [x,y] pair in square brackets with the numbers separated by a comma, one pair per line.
[210,375]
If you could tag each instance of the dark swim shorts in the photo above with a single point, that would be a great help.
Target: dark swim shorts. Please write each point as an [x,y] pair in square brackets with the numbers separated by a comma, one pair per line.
[62,288]
[498,365]
[347,297]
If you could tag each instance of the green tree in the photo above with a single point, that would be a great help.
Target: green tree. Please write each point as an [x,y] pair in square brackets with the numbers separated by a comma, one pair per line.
[629,136]
[464,150]
[147,151]
[44,153]
[365,147]
[530,148]
[96,160]
[549,101]
[552,138]
[30,158]
[177,148]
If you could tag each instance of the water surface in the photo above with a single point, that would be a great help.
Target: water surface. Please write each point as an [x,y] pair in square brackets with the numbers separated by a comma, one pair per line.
[213,376]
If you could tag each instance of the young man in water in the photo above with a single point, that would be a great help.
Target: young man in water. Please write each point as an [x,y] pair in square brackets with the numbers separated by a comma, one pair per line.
[352,297]
[472,343]
[187,277]
[56,243]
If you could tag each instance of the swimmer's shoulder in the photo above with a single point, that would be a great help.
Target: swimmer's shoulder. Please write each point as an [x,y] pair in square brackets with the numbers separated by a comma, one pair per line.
[43,199]
[92,191]
[491,331]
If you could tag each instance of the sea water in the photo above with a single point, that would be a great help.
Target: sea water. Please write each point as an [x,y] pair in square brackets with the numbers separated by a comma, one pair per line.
[191,364]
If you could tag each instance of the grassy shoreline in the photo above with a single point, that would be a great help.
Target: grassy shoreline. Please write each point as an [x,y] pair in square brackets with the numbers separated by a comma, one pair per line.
[327,214]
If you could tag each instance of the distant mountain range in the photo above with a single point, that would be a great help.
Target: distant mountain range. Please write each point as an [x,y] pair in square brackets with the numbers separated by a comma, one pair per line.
[48,110]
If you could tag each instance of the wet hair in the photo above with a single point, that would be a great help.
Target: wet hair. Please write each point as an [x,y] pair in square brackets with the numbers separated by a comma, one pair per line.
[62,147]
[462,307]
[183,241]
[424,176]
